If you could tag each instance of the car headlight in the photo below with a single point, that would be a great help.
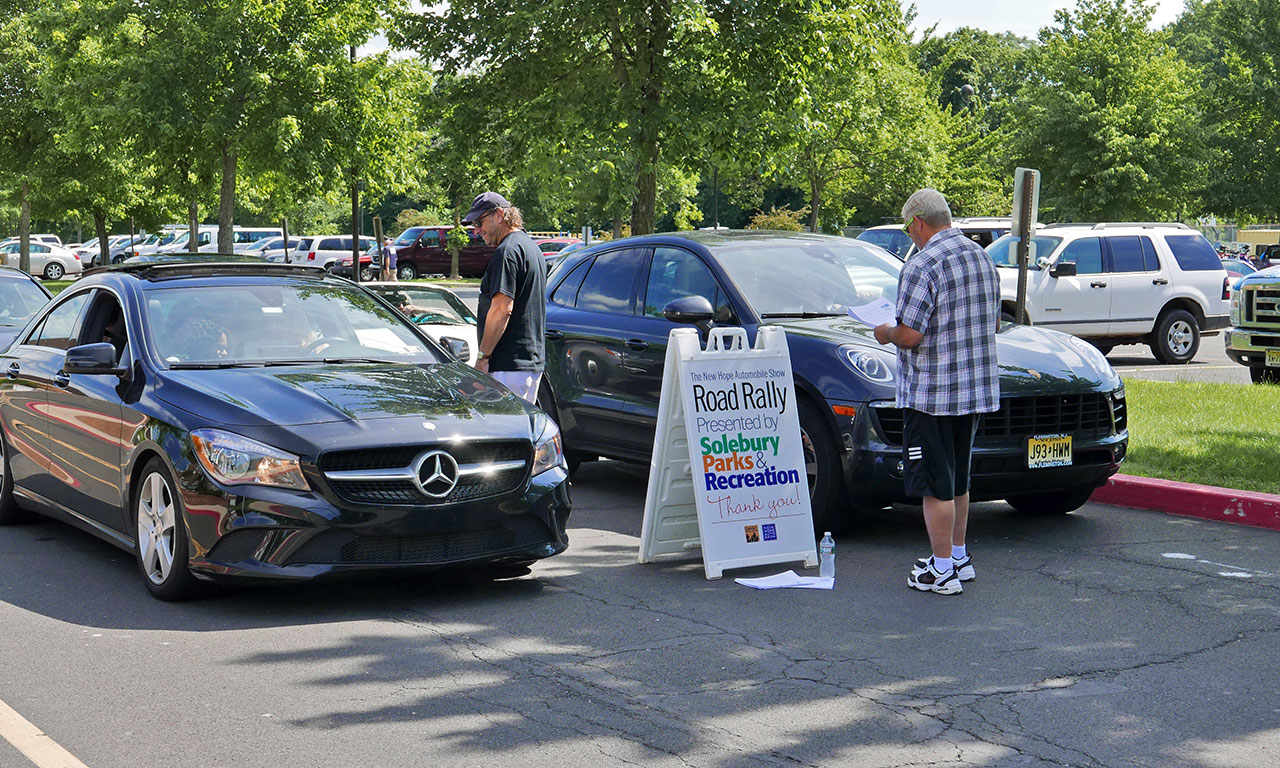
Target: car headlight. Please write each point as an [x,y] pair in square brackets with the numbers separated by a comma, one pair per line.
[234,460]
[1235,307]
[1090,352]
[872,366]
[548,453]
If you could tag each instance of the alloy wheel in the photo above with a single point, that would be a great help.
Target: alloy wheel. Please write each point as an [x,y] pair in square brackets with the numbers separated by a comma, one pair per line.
[156,528]
[1180,337]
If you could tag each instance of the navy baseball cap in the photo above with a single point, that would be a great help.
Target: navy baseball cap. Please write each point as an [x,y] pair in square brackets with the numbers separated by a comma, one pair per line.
[484,202]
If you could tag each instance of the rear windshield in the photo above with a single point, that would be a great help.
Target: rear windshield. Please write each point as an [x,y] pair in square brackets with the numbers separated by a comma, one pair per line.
[1193,253]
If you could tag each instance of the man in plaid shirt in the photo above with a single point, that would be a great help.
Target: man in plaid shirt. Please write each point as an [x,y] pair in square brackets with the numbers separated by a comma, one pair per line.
[947,315]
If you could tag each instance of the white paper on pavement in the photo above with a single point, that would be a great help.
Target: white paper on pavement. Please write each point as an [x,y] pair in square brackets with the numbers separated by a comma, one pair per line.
[788,580]
[878,312]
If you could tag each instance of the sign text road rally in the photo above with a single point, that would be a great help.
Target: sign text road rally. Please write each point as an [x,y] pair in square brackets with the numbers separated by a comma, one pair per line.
[732,456]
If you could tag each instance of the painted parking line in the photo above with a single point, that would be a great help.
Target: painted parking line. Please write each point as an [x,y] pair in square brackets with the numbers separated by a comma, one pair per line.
[34,743]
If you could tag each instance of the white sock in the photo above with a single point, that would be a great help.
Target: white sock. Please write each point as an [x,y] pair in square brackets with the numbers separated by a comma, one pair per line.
[958,553]
[941,564]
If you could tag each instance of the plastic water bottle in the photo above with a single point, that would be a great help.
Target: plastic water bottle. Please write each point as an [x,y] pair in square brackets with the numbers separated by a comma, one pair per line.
[827,557]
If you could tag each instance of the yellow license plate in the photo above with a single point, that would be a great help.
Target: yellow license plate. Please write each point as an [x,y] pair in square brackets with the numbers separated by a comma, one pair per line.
[1049,451]
[1273,358]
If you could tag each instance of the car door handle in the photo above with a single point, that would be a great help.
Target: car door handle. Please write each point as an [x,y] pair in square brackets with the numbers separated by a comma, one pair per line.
[62,379]
[1098,284]
[553,335]
[14,369]
[1160,281]
[638,345]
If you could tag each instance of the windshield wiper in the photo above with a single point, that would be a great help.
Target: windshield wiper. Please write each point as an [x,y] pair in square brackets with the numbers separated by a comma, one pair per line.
[211,366]
[803,314]
[378,360]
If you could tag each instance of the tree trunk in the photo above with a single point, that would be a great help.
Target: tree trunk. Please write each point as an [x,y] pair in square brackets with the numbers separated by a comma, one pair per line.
[193,226]
[100,229]
[227,203]
[617,227]
[24,229]
[355,227]
[815,201]
[454,252]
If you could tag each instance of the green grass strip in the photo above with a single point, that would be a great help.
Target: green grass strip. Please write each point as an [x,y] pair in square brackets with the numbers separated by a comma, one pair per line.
[1226,435]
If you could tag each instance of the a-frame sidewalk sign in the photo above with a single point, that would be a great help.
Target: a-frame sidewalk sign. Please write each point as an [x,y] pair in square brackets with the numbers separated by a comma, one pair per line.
[728,472]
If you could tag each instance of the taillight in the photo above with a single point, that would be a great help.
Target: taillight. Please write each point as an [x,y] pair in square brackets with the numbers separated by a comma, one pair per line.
[311,256]
[1226,289]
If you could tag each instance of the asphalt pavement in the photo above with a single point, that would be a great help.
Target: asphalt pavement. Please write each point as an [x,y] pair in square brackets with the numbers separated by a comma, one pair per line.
[1107,637]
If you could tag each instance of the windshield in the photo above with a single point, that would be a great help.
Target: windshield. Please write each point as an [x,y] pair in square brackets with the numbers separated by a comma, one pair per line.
[409,236]
[801,276]
[1004,254]
[894,241]
[422,305]
[264,323]
[19,300]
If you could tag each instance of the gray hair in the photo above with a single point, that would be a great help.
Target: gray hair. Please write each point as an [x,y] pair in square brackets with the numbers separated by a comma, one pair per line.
[513,217]
[929,206]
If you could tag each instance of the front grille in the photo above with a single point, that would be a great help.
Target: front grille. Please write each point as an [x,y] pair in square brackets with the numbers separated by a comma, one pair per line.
[469,487]
[345,548]
[994,465]
[1264,341]
[1087,416]
[1261,304]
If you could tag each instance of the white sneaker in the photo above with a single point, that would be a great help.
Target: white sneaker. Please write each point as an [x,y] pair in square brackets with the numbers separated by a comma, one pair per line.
[964,568]
[930,580]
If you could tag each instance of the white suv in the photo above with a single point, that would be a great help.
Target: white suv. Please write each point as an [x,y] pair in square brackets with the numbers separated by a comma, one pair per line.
[1158,284]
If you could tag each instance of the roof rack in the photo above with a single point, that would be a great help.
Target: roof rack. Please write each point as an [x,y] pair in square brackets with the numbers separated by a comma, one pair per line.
[165,268]
[1143,224]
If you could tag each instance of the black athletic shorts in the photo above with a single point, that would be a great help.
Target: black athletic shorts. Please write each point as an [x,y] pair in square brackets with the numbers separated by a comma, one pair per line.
[935,453]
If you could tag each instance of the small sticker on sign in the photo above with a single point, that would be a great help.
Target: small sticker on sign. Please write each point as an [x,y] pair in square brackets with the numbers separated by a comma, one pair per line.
[770,532]
[753,533]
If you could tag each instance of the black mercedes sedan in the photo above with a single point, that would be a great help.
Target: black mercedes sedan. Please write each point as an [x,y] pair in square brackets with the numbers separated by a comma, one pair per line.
[247,421]
[1061,430]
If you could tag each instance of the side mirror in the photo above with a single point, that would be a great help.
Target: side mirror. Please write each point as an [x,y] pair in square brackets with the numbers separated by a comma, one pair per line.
[1064,269]
[459,348]
[691,310]
[98,359]
[1043,262]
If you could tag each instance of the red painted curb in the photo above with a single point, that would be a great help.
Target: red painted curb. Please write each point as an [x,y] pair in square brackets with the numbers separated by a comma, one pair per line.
[1203,501]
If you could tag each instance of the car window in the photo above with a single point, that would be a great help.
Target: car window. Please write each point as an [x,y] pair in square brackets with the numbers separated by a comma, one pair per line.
[674,274]
[1193,253]
[826,275]
[304,244]
[1086,253]
[1005,253]
[410,236]
[1150,260]
[894,241]
[258,323]
[566,293]
[1127,253]
[329,244]
[610,281]
[105,323]
[40,248]
[423,305]
[57,330]
[19,300]
[430,238]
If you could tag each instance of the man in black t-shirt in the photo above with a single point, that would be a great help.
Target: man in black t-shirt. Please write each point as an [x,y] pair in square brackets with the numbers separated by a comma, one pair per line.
[512,307]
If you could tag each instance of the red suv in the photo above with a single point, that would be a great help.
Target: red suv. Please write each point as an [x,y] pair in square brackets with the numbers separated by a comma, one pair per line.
[420,251]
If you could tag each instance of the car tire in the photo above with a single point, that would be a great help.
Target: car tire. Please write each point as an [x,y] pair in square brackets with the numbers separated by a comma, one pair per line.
[54,271]
[406,272]
[1259,374]
[10,512]
[367,275]
[117,259]
[1058,503]
[161,547]
[547,402]
[828,496]
[1176,338]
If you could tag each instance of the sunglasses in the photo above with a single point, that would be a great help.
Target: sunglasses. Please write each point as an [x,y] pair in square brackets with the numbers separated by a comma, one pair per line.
[907,227]
[482,217]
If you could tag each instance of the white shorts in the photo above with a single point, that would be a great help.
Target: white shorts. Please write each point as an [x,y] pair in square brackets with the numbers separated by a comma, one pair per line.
[523,383]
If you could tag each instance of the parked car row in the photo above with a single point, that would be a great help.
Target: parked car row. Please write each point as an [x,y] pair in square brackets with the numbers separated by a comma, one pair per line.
[52,261]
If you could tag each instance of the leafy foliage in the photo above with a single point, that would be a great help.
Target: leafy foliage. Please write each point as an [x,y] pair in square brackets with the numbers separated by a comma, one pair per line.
[779,218]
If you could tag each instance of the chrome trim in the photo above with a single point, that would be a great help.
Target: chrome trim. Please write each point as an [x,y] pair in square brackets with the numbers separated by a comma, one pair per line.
[408,473]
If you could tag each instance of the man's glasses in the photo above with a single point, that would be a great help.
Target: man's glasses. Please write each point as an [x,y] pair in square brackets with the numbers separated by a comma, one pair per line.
[907,227]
